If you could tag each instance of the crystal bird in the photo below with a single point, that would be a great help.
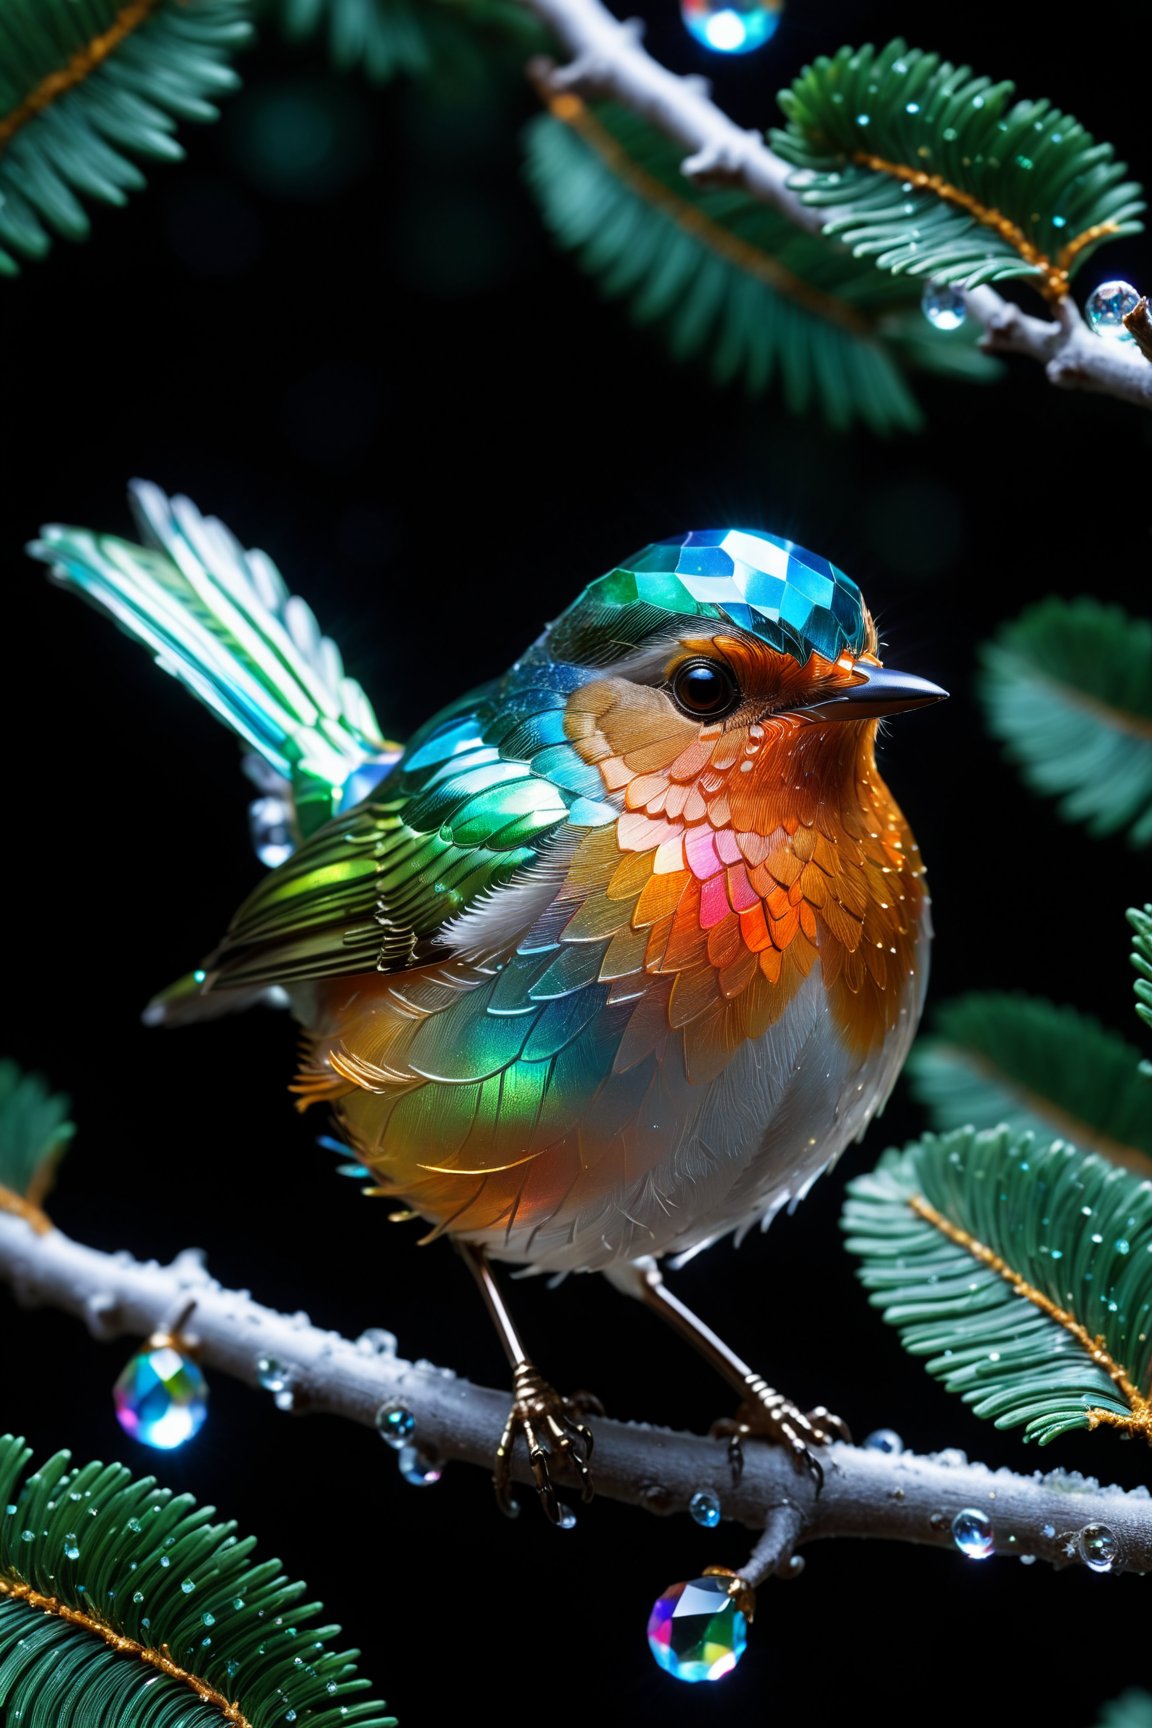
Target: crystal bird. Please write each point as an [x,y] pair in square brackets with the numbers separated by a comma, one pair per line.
[622,949]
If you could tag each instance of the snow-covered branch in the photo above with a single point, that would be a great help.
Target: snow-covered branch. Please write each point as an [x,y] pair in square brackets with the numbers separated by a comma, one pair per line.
[866,1493]
[607,59]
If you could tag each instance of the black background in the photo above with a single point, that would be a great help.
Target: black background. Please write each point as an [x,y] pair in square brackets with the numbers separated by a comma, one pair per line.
[340,326]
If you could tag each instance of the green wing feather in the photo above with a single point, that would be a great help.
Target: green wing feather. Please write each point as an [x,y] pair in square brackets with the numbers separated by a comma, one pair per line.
[1067,688]
[974,187]
[85,89]
[455,821]
[139,1564]
[34,1132]
[1072,1228]
[1027,1063]
[729,281]
[222,621]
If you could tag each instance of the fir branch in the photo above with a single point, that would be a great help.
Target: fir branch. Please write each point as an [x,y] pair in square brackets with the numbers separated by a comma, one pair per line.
[1030,1065]
[34,1132]
[725,278]
[86,90]
[607,60]
[1067,688]
[386,39]
[866,1493]
[107,1586]
[1022,1270]
[1141,922]
[929,170]
[1133,1709]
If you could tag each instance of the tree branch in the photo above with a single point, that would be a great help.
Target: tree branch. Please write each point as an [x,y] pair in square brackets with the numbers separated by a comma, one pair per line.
[608,60]
[903,1498]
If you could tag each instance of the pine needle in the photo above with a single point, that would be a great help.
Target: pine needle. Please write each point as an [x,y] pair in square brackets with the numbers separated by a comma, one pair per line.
[1021,1269]
[1067,688]
[935,172]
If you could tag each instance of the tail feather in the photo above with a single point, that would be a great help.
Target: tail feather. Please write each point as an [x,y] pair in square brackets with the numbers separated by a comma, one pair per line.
[222,621]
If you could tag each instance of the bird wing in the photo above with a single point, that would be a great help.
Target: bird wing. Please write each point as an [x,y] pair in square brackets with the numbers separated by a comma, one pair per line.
[475,801]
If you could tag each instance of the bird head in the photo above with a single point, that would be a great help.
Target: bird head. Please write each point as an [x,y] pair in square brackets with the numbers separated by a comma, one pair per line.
[721,668]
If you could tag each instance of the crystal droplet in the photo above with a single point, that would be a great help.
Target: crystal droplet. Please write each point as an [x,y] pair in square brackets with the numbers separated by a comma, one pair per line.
[944,306]
[567,1519]
[695,1630]
[972,1533]
[884,1440]
[71,1546]
[272,1375]
[395,1424]
[1098,1547]
[704,1507]
[1105,308]
[418,1468]
[731,26]
[161,1397]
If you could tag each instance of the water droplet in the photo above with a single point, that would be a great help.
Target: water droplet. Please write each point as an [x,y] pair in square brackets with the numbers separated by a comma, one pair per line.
[1105,308]
[395,1424]
[378,1341]
[27,1536]
[1123,1246]
[418,1467]
[208,1619]
[972,1533]
[272,1375]
[1098,1547]
[165,1560]
[232,1668]
[567,1519]
[270,827]
[731,26]
[884,1440]
[695,1630]
[161,1397]
[911,107]
[237,1602]
[71,1546]
[863,119]
[134,1525]
[943,306]
[187,1586]
[137,1596]
[704,1507]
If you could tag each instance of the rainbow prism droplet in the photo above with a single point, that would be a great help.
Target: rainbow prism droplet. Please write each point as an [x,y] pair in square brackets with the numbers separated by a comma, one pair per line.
[161,1397]
[696,1631]
[731,26]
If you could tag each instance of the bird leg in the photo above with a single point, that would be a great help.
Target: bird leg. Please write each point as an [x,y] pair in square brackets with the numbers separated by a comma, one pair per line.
[550,1424]
[764,1414]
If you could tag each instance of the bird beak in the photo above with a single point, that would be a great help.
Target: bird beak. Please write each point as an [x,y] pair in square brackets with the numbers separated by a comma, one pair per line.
[880,691]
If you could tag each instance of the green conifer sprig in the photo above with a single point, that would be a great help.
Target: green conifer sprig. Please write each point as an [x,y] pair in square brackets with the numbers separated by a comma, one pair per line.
[122,1604]
[1021,1270]
[1019,1060]
[1141,922]
[88,90]
[386,39]
[725,279]
[34,1132]
[1067,687]
[1133,1709]
[936,172]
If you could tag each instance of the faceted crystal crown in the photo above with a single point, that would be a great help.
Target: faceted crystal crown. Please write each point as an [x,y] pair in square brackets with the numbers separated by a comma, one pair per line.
[791,598]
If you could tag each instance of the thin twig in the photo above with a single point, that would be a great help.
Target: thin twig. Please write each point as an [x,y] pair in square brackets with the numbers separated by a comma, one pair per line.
[608,60]
[904,1498]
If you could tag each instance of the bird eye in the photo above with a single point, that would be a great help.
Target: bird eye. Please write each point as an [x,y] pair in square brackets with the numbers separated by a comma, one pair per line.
[704,690]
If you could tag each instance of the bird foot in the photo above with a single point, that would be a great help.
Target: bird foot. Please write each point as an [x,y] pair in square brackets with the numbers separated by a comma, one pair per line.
[769,1415]
[556,1439]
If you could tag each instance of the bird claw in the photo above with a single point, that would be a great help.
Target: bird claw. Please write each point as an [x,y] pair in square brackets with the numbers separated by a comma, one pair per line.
[769,1415]
[555,1437]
